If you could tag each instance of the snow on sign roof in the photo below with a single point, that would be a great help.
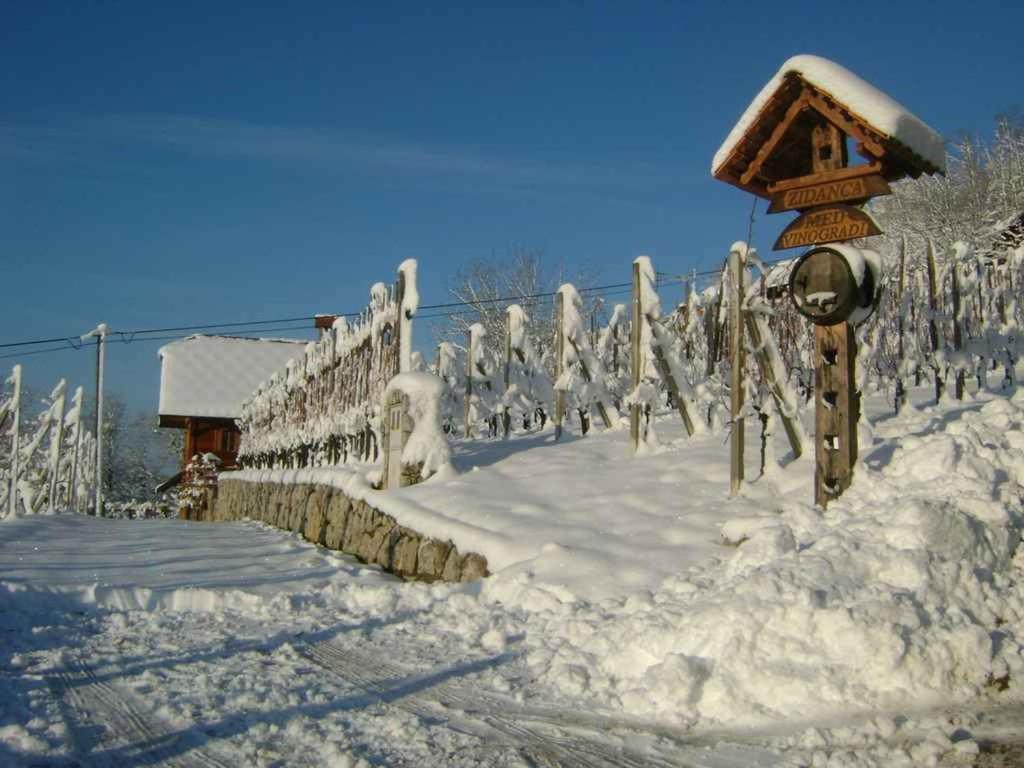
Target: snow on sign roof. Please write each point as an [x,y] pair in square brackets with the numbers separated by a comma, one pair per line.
[863,100]
[211,376]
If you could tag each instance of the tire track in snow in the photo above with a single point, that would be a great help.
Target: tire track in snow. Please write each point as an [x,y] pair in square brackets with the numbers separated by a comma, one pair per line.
[109,728]
[543,737]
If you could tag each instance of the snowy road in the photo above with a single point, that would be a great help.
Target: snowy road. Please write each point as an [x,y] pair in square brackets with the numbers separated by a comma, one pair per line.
[158,643]
[887,631]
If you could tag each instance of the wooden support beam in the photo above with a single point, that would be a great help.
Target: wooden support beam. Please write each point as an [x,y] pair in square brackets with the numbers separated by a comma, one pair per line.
[636,362]
[844,121]
[559,362]
[776,136]
[760,341]
[836,412]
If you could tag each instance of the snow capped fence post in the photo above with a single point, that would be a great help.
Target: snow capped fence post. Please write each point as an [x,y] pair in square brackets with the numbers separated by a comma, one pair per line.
[559,363]
[653,343]
[506,412]
[467,405]
[56,443]
[636,361]
[737,270]
[408,300]
[15,409]
[76,424]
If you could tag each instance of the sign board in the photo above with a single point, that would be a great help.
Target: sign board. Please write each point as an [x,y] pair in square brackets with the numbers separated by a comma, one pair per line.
[857,189]
[826,224]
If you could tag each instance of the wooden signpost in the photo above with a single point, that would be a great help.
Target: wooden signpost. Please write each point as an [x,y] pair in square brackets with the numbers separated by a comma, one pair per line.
[827,224]
[793,151]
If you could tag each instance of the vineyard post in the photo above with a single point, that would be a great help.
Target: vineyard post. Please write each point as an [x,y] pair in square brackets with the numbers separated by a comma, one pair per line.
[737,265]
[73,480]
[559,362]
[56,442]
[958,335]
[901,392]
[506,415]
[12,496]
[760,342]
[635,357]
[933,323]
[469,383]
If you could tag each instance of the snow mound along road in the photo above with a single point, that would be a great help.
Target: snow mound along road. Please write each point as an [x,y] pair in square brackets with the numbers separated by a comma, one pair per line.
[905,591]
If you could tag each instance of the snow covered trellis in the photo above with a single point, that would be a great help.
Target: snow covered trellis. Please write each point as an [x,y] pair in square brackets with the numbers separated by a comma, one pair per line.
[579,371]
[54,479]
[656,354]
[324,408]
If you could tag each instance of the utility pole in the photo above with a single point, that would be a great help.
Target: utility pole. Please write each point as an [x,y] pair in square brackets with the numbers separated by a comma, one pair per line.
[100,333]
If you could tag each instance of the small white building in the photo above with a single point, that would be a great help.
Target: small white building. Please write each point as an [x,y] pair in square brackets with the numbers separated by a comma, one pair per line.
[205,379]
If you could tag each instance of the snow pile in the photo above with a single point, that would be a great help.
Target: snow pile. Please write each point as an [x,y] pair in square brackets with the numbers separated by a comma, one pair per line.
[427,444]
[897,594]
[873,106]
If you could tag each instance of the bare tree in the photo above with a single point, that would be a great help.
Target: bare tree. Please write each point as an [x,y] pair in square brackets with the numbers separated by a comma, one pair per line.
[489,286]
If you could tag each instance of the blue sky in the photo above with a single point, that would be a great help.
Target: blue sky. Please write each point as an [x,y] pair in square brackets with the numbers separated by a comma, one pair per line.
[164,165]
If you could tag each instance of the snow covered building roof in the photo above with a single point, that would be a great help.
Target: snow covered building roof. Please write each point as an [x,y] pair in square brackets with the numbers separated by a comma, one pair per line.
[210,376]
[783,115]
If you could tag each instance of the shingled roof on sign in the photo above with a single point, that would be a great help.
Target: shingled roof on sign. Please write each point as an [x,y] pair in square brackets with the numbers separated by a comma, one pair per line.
[771,141]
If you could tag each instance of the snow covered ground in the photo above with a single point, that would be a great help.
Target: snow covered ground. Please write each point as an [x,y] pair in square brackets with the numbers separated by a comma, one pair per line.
[622,630]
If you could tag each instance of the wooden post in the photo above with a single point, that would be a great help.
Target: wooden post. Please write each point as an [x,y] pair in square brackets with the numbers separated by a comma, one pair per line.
[736,269]
[636,361]
[56,443]
[469,383]
[12,496]
[665,371]
[76,403]
[837,410]
[901,391]
[933,325]
[958,334]
[764,361]
[559,363]
[506,416]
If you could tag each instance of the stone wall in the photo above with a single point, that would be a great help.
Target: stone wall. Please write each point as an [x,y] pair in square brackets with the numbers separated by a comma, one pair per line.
[327,516]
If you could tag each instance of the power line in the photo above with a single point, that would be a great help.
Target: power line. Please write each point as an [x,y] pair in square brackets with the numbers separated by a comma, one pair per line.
[130,340]
[243,328]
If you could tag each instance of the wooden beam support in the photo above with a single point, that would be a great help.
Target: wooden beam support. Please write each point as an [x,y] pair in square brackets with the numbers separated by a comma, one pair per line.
[845,122]
[836,411]
[776,136]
